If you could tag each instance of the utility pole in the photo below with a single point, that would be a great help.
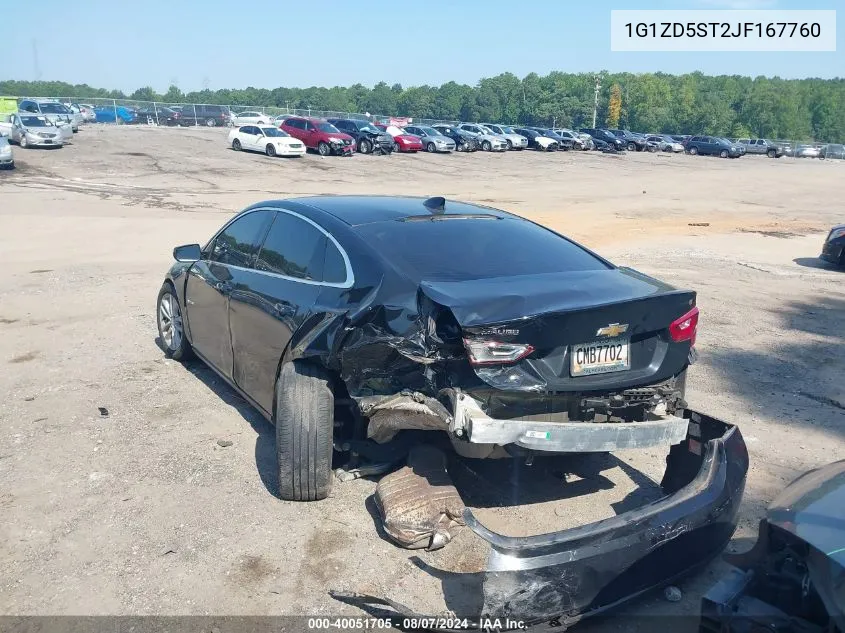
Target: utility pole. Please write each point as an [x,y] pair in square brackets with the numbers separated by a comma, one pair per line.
[596,102]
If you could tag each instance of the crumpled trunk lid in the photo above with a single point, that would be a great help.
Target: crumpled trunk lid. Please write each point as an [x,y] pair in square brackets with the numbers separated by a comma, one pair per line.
[562,314]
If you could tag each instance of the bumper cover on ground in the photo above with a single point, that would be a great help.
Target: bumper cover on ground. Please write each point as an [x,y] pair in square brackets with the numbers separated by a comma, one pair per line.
[562,577]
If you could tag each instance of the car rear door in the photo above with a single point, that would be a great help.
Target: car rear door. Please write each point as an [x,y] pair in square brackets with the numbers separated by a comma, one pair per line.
[225,263]
[266,311]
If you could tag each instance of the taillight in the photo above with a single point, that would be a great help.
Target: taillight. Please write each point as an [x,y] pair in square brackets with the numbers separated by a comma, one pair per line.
[494,352]
[683,328]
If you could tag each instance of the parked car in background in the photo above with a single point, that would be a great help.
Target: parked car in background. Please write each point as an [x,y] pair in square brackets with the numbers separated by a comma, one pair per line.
[488,141]
[53,110]
[7,158]
[463,142]
[761,146]
[633,141]
[833,249]
[514,140]
[740,147]
[209,115]
[807,151]
[665,143]
[156,115]
[608,137]
[587,140]
[578,143]
[319,135]
[832,150]
[118,114]
[87,112]
[564,143]
[35,130]
[432,140]
[536,140]
[712,146]
[368,137]
[402,140]
[267,139]
[250,117]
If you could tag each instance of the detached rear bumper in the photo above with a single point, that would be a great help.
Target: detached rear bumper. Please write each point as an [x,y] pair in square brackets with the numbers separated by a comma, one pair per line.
[471,423]
[559,578]
[567,575]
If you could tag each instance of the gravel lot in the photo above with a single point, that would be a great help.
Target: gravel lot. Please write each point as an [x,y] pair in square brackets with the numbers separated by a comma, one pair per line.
[142,512]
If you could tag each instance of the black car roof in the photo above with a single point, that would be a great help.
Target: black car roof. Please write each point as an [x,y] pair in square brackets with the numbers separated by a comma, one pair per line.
[357,210]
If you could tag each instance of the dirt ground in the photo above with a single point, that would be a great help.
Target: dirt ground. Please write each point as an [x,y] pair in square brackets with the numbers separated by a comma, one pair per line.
[142,512]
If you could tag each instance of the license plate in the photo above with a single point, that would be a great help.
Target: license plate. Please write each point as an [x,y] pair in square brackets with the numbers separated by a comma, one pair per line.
[600,357]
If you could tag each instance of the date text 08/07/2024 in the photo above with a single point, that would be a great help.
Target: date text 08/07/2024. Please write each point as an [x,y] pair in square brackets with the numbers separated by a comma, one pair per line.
[415,624]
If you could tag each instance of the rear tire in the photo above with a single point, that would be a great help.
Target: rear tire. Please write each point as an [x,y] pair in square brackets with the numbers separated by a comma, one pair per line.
[304,432]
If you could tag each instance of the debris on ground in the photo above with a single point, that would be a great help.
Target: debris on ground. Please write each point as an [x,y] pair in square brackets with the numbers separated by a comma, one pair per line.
[672,594]
[698,224]
[224,443]
[104,413]
[418,504]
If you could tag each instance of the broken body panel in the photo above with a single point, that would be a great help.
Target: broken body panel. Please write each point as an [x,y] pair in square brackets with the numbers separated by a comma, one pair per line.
[559,578]
[793,579]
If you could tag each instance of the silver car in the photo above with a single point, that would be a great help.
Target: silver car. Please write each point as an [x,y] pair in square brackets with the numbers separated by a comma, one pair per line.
[33,130]
[488,141]
[432,140]
[7,159]
[577,141]
[515,141]
[53,110]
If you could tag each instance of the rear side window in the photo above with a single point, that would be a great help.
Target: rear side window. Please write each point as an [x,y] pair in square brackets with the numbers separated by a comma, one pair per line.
[293,248]
[238,244]
[461,249]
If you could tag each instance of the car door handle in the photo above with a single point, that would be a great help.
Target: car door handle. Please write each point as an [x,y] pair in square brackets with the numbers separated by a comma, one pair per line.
[284,309]
[223,286]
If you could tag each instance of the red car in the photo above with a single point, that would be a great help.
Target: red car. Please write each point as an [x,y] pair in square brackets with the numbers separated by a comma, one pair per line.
[319,135]
[402,141]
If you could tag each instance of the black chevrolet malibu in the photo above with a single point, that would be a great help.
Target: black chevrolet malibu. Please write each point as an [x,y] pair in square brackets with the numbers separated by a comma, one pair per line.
[403,313]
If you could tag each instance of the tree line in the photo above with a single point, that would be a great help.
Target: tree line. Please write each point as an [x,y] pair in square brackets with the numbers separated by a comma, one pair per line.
[724,105]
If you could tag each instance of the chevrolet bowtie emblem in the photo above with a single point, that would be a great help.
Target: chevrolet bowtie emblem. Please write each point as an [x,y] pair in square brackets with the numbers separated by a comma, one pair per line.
[613,329]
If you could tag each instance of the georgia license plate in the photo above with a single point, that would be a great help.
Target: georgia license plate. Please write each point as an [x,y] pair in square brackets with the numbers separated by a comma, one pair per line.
[600,357]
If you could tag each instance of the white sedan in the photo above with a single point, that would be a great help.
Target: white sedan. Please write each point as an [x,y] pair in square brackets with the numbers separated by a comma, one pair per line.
[247,118]
[263,138]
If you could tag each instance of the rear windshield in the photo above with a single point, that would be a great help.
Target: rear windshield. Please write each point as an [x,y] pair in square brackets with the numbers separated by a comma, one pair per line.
[455,249]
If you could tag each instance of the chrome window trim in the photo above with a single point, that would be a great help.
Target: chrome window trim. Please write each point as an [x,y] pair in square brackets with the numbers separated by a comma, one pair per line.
[350,274]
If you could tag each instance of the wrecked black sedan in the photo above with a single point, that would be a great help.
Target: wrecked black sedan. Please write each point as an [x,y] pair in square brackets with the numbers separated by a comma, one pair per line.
[793,579]
[354,318]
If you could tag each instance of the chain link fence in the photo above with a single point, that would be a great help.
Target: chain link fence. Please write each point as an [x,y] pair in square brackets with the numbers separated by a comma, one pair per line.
[132,112]
[159,113]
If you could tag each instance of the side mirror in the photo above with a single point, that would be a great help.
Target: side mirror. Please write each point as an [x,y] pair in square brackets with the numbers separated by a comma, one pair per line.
[187,253]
